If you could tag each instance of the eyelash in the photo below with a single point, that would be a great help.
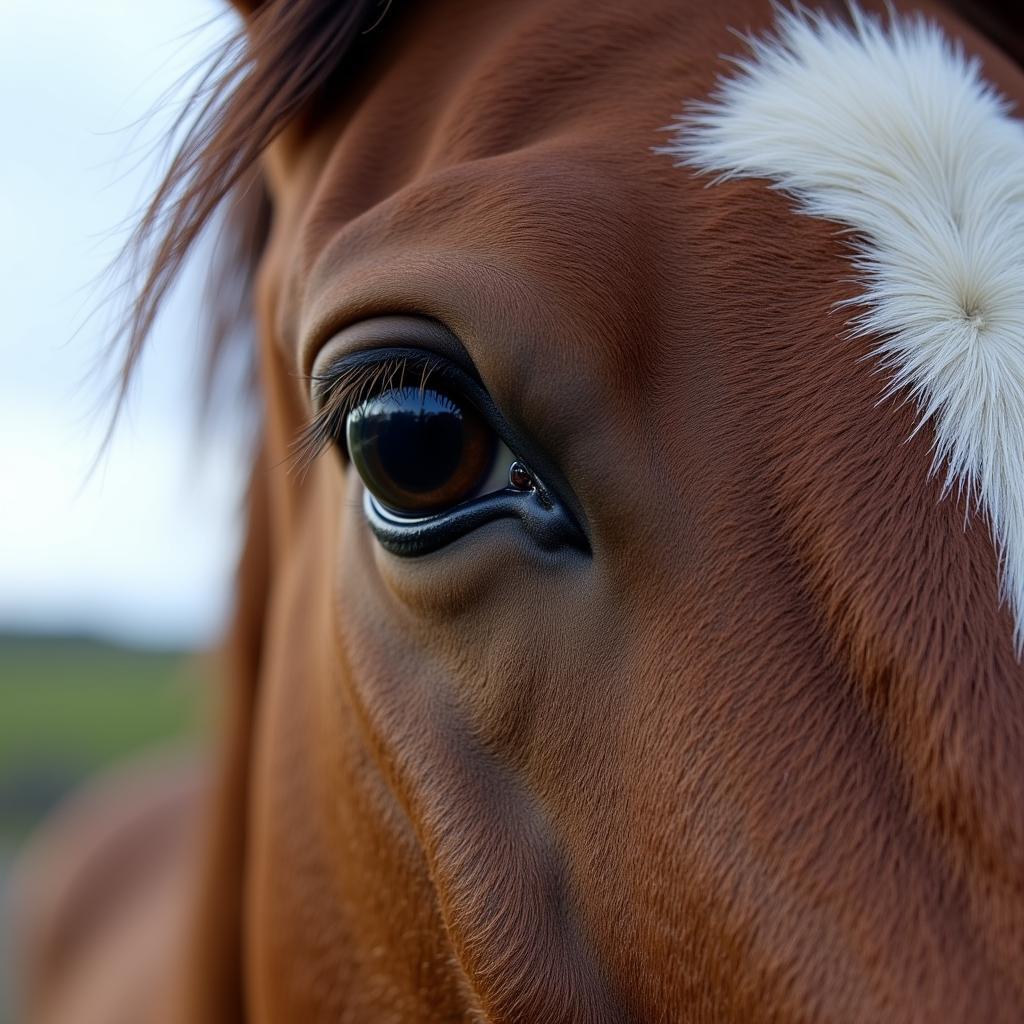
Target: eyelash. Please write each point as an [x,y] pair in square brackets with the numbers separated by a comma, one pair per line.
[344,387]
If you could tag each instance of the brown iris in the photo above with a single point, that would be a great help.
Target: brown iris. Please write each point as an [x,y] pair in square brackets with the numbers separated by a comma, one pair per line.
[419,449]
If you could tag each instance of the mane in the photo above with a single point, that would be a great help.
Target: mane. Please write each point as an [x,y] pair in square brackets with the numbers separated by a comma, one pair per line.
[280,63]
[1001,23]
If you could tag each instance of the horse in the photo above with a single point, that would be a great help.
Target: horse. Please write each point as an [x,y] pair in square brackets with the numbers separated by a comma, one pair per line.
[629,621]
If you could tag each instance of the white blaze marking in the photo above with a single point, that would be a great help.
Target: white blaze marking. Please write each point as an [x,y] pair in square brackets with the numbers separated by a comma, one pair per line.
[891,130]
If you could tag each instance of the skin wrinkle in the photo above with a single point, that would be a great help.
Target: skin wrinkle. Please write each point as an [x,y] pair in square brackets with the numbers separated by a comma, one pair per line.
[759,756]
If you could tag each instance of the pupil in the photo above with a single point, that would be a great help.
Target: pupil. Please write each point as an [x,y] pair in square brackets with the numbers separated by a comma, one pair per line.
[419,440]
[418,449]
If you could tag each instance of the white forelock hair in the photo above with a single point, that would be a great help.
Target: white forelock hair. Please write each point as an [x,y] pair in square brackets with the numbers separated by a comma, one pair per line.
[889,129]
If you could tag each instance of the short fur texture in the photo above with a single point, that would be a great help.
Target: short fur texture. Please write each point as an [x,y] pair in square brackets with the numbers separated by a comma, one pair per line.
[745,763]
[892,131]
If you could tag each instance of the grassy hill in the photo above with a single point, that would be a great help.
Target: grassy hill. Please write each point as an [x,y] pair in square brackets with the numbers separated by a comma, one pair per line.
[70,706]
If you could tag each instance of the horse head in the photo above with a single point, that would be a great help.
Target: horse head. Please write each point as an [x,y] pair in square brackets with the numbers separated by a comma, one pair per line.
[630,618]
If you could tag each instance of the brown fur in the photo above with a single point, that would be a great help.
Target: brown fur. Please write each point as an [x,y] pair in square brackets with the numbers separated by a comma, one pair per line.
[761,757]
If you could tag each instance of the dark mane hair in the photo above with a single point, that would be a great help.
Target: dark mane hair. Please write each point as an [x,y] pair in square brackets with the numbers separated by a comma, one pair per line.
[1002,23]
[265,75]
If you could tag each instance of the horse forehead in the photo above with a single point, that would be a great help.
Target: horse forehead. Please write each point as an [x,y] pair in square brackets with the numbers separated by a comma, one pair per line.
[461,81]
[551,227]
[458,83]
[528,129]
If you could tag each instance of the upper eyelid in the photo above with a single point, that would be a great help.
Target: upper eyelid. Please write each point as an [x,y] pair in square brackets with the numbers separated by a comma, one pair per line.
[395,360]
[391,331]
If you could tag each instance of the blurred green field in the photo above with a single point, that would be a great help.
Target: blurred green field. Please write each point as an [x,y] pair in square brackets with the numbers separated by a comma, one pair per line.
[70,707]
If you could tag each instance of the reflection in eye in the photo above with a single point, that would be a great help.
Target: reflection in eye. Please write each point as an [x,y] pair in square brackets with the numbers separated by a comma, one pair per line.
[423,449]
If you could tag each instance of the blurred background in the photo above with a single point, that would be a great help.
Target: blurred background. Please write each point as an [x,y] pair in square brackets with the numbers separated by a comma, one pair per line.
[114,570]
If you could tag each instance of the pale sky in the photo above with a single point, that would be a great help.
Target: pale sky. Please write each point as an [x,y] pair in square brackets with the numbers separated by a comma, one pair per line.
[144,548]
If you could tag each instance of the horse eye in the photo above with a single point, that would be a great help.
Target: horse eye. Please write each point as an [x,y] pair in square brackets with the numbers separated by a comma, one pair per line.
[420,450]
